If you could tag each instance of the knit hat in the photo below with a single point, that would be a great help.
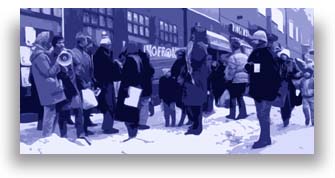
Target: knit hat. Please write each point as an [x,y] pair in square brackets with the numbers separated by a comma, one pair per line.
[260,35]
[286,52]
[42,37]
[106,41]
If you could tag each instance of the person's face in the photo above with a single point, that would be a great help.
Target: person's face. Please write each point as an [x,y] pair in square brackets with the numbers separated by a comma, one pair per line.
[83,42]
[60,45]
[168,74]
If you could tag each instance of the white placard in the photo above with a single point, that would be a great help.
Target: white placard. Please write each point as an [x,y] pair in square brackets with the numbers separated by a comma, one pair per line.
[134,97]
[257,68]
[25,71]
[30,34]
[297,92]
[25,53]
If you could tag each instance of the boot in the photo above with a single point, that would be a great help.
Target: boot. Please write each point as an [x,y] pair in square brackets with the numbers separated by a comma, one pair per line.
[232,109]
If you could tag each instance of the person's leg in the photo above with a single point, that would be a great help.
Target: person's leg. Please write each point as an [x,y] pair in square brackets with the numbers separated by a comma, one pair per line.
[232,108]
[305,108]
[286,112]
[182,117]
[87,121]
[144,111]
[173,114]
[166,114]
[62,122]
[263,109]
[311,107]
[108,121]
[190,116]
[199,120]
[40,118]
[49,117]
[79,121]
[242,108]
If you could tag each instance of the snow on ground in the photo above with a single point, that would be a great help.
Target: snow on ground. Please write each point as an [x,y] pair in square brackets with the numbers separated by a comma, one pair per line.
[220,136]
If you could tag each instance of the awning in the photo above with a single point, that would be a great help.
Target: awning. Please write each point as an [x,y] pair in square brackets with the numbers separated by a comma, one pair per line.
[218,41]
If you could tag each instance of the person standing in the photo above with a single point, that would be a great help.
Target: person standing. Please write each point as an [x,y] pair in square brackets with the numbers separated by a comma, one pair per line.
[49,88]
[236,73]
[148,72]
[105,76]
[167,93]
[195,86]
[130,77]
[264,84]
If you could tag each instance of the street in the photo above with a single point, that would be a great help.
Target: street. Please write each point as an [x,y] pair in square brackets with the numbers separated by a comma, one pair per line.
[220,136]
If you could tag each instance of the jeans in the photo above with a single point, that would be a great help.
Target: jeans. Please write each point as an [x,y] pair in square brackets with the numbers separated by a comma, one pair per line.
[63,118]
[144,110]
[308,108]
[263,109]
[49,120]
[169,110]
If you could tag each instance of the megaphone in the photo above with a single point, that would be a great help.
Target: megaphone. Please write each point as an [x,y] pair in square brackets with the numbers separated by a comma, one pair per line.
[64,58]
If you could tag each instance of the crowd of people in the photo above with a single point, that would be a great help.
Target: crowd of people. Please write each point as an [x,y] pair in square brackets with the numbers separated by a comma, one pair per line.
[193,83]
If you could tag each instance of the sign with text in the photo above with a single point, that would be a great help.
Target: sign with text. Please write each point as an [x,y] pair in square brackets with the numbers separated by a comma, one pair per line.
[160,51]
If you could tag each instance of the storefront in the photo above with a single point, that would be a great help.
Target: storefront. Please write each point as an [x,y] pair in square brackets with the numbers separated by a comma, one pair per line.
[32,22]
[243,34]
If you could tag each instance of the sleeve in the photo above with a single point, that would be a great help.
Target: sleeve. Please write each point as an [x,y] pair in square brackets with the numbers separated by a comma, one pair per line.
[44,67]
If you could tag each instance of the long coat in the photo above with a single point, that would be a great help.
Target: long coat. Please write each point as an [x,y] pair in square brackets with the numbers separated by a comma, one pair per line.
[265,84]
[131,76]
[105,75]
[49,88]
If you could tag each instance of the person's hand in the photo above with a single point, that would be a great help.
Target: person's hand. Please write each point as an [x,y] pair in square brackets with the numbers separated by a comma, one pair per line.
[249,67]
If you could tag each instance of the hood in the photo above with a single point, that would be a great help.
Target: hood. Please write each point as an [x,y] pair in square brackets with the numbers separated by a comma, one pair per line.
[36,51]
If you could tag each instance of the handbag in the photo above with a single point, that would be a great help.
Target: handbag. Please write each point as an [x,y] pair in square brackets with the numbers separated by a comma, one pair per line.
[89,100]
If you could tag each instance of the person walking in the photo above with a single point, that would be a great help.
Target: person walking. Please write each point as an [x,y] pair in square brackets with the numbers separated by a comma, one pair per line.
[49,88]
[264,84]
[236,73]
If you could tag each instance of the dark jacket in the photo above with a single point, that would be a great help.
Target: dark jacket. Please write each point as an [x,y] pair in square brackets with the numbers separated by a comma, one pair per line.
[147,74]
[168,89]
[217,80]
[265,84]
[104,74]
[178,67]
[131,76]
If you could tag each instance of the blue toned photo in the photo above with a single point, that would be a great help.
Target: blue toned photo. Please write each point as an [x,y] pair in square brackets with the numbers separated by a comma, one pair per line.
[166,81]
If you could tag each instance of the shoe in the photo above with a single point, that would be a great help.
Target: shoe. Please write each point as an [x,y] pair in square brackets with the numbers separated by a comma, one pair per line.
[92,125]
[180,124]
[193,132]
[242,116]
[230,117]
[87,133]
[307,122]
[286,122]
[261,144]
[189,123]
[143,127]
[111,131]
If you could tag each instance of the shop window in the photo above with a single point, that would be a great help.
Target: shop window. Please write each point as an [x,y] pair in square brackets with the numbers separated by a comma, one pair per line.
[109,11]
[166,27]
[147,33]
[141,20]
[297,34]
[175,29]
[102,21]
[162,35]
[130,28]
[161,25]
[141,31]
[129,16]
[135,18]
[57,12]
[135,29]
[46,11]
[86,18]
[109,22]
[146,21]
[102,10]
[35,10]
[290,26]
[94,19]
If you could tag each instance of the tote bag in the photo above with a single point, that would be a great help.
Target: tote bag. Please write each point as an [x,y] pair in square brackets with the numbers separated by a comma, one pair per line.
[89,100]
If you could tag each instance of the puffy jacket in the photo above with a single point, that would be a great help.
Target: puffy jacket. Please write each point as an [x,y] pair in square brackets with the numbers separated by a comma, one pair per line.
[235,70]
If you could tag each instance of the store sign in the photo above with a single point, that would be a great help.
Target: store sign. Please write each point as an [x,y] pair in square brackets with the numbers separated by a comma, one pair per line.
[160,51]
[239,30]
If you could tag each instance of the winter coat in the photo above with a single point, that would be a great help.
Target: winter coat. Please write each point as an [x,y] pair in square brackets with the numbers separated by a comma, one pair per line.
[84,68]
[307,87]
[49,87]
[235,69]
[105,74]
[168,89]
[131,76]
[265,84]
[148,73]
[217,80]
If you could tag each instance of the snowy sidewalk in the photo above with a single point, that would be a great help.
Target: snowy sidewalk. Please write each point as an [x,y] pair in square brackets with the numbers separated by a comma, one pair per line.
[220,136]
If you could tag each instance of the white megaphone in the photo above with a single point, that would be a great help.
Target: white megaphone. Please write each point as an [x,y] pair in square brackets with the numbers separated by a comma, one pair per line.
[64,58]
